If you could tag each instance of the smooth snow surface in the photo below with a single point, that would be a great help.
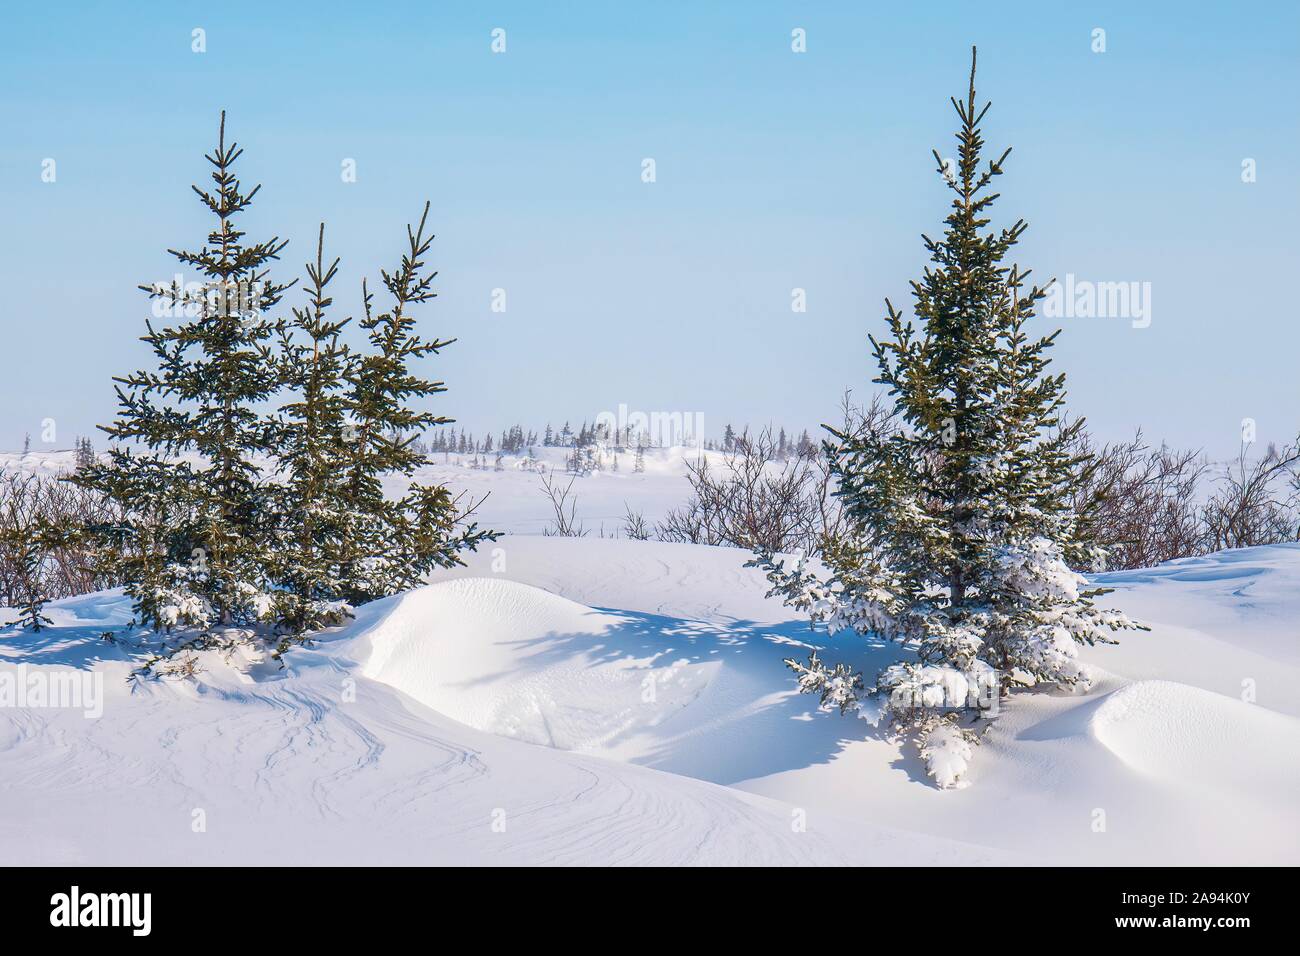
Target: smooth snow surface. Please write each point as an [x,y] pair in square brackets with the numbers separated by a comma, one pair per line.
[610,701]
[518,661]
[1237,749]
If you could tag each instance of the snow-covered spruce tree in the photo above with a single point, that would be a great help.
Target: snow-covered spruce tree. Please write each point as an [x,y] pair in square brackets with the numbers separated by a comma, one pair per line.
[393,543]
[193,544]
[313,525]
[961,539]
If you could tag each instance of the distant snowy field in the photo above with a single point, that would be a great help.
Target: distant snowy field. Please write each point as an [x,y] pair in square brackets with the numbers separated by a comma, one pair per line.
[589,701]
[515,502]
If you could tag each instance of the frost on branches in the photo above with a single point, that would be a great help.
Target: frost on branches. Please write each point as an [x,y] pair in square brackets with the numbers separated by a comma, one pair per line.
[961,543]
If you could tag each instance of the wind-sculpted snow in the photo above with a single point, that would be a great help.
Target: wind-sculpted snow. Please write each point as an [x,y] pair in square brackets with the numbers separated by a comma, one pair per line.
[320,764]
[517,661]
[1178,780]
[593,701]
[1188,735]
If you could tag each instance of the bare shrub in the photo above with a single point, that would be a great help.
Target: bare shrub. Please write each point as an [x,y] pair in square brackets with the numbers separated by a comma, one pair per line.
[564,504]
[1256,501]
[634,524]
[42,542]
[1148,505]
[751,502]
[759,500]
[1141,504]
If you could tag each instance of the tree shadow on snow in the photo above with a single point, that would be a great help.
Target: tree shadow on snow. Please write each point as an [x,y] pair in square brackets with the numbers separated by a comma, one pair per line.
[79,646]
[750,721]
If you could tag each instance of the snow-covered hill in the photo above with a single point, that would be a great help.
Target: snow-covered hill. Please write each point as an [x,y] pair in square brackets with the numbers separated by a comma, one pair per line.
[598,701]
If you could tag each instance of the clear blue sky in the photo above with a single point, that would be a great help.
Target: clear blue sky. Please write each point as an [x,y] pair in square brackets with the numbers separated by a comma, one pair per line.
[775,170]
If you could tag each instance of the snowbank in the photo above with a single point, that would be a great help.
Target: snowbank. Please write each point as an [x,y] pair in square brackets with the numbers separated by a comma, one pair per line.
[597,701]
[515,660]
[1193,737]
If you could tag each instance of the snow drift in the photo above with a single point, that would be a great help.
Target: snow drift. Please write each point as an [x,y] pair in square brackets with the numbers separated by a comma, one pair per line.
[1194,737]
[625,702]
[515,660]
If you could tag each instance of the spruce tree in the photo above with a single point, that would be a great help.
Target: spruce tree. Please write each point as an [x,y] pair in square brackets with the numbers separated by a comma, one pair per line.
[28,544]
[394,543]
[313,453]
[962,538]
[192,548]
[84,455]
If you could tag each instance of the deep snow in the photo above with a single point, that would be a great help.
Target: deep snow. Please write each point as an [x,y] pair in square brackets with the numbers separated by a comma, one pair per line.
[614,701]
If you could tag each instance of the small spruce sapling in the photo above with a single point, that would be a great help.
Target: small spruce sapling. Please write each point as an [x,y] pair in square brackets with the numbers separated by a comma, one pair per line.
[27,546]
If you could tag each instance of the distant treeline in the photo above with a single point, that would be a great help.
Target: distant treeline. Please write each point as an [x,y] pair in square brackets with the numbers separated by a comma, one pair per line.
[517,440]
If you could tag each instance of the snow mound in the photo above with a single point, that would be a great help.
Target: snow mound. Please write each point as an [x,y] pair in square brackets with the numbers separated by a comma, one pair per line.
[517,661]
[1180,733]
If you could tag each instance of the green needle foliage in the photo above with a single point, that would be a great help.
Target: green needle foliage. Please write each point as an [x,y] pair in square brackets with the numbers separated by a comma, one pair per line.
[395,543]
[963,536]
[192,550]
[244,520]
[28,544]
[313,454]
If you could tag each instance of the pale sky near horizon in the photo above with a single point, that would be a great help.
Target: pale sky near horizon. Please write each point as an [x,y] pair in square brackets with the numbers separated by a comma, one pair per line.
[775,170]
